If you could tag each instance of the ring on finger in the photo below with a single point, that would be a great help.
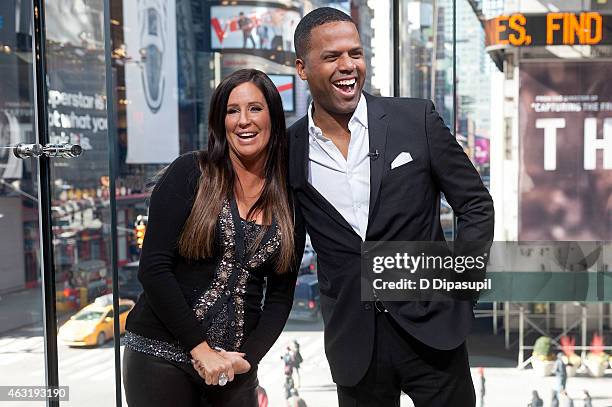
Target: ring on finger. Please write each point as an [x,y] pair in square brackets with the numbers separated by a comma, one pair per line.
[223,379]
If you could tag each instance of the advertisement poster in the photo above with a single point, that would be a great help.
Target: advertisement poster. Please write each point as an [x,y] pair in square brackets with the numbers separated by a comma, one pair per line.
[565,141]
[252,27]
[151,81]
[77,89]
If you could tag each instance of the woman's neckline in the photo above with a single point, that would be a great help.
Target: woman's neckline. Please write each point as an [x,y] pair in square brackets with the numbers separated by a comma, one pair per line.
[252,222]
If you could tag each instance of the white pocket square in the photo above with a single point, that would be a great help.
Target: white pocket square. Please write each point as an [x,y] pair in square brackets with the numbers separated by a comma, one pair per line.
[401,159]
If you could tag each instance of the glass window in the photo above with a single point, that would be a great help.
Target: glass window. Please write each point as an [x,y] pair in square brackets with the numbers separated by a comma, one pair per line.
[22,359]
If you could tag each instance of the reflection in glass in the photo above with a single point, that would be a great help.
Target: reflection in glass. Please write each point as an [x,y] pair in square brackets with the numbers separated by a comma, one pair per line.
[21,320]
[80,197]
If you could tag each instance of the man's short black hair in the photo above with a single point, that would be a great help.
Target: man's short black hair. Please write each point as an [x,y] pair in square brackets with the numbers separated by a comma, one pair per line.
[317,17]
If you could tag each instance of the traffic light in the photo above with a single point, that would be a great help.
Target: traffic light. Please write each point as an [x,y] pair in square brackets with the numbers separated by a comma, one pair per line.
[140,227]
[140,232]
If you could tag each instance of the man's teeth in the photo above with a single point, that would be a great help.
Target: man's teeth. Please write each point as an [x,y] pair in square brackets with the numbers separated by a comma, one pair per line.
[348,82]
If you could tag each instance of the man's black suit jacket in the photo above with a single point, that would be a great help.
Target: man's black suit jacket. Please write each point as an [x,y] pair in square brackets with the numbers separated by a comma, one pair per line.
[404,206]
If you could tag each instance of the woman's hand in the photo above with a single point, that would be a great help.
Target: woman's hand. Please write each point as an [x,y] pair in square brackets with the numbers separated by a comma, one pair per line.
[239,363]
[210,364]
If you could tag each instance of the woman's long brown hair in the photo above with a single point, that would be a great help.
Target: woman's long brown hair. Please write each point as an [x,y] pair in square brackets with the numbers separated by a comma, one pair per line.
[217,180]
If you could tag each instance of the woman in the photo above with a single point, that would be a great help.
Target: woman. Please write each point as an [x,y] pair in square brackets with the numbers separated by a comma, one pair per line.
[219,222]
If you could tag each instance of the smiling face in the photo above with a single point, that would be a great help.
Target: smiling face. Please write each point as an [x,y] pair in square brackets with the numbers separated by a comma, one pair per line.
[334,67]
[247,123]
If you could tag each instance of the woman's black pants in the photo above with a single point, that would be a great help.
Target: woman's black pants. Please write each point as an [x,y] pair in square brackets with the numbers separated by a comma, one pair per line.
[155,382]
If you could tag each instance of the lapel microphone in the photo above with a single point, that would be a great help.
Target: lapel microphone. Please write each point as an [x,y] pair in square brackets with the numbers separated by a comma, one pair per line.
[373,154]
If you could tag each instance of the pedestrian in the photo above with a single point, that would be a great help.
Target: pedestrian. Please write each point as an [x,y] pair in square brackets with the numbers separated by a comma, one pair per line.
[368,168]
[482,389]
[536,401]
[295,400]
[288,361]
[587,399]
[297,361]
[560,373]
[554,399]
[289,385]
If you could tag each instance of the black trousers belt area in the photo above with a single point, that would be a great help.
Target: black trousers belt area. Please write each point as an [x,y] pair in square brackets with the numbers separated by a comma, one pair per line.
[155,382]
[400,363]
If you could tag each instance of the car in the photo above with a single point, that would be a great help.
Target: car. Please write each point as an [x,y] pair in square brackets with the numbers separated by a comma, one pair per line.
[92,275]
[307,299]
[309,261]
[93,325]
[129,285]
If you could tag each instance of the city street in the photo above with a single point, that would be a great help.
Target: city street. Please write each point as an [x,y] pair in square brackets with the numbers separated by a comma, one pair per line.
[90,372]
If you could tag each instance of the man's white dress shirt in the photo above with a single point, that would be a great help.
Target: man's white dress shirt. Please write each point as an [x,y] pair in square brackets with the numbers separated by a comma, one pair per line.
[345,183]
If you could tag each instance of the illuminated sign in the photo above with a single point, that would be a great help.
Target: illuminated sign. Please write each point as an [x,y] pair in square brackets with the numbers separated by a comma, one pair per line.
[520,30]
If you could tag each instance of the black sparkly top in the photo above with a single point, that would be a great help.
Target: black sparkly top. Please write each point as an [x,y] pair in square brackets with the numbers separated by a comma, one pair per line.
[219,300]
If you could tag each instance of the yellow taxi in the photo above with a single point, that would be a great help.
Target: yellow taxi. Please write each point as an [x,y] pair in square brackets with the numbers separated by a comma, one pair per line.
[93,325]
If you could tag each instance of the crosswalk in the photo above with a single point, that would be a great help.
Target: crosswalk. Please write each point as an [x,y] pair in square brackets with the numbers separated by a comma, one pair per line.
[75,365]
[97,365]
[311,348]
[90,370]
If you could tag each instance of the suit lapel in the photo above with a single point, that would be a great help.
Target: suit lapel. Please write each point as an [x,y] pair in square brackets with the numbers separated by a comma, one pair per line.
[298,160]
[377,131]
[299,180]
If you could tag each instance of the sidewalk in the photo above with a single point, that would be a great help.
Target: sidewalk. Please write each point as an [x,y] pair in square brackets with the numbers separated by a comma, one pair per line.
[505,385]
[24,308]
[21,308]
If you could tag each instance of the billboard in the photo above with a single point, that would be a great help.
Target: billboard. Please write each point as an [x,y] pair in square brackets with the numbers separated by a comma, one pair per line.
[151,81]
[565,141]
[77,89]
[252,27]
[286,87]
[521,30]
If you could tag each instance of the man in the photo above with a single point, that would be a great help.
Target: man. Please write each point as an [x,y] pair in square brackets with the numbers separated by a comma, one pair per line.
[482,387]
[245,24]
[370,168]
[560,373]
[297,360]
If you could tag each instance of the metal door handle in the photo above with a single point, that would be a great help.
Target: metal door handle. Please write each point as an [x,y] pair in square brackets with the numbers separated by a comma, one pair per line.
[62,150]
[50,150]
[27,150]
